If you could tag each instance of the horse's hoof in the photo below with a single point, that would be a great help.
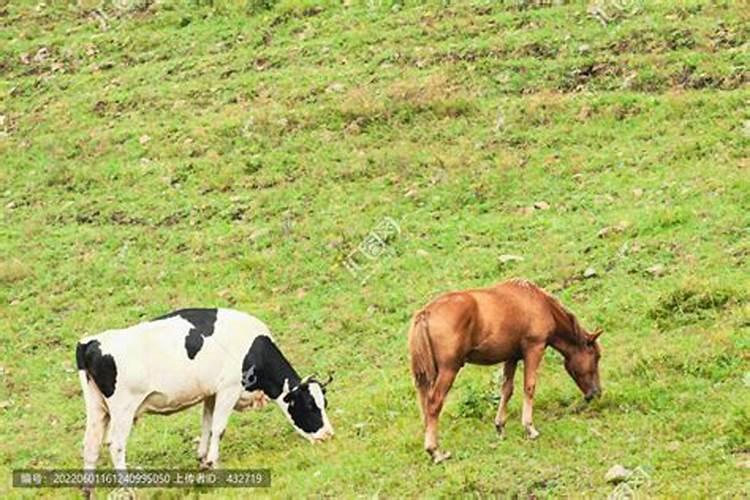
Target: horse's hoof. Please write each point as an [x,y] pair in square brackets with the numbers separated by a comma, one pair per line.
[440,456]
[532,433]
[500,428]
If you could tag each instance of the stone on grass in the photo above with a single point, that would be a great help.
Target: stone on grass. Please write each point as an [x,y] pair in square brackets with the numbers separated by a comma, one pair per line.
[656,270]
[616,474]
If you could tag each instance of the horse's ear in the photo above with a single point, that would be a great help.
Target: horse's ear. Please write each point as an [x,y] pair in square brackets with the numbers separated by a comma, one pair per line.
[595,335]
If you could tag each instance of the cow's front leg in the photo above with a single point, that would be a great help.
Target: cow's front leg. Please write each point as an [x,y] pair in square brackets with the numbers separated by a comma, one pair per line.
[225,401]
[208,411]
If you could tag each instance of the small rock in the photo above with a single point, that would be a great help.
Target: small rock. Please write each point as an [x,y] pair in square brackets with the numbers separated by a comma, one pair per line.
[41,54]
[11,205]
[638,192]
[617,474]
[5,404]
[590,272]
[423,253]
[656,270]
[335,87]
[144,139]
[584,47]
[353,128]
[500,122]
[617,228]
[505,258]
[541,205]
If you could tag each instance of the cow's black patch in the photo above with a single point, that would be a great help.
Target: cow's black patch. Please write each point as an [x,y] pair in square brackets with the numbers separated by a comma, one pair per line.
[203,321]
[304,410]
[265,368]
[100,367]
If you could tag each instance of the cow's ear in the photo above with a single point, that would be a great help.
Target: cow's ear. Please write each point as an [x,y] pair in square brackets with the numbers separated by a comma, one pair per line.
[287,397]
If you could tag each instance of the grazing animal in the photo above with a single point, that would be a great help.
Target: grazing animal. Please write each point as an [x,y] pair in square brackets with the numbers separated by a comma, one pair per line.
[512,321]
[223,358]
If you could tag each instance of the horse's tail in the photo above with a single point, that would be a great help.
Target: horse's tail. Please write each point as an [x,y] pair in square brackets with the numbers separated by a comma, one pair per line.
[423,364]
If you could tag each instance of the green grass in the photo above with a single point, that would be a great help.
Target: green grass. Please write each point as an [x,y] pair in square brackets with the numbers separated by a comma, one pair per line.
[234,153]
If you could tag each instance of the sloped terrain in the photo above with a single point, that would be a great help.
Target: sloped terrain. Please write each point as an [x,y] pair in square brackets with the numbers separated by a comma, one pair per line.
[158,155]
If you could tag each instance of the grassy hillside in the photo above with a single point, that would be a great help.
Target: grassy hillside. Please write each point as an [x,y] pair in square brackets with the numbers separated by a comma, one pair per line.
[189,153]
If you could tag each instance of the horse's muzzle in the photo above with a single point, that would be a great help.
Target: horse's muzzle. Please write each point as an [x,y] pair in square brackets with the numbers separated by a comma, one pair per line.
[593,394]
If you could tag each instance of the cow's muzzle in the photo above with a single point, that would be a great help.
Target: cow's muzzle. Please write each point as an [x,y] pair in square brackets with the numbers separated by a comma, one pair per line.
[323,435]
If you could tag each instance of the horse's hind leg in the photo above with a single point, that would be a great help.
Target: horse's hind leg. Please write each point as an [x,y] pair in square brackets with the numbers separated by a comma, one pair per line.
[531,359]
[433,404]
[509,371]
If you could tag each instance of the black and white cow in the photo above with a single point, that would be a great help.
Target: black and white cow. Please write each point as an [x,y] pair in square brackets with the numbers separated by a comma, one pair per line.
[223,358]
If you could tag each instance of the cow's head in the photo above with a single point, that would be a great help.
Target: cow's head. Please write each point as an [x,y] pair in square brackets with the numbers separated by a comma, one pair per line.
[305,406]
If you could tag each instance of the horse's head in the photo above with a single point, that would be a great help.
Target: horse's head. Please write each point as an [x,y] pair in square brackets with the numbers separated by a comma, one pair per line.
[583,365]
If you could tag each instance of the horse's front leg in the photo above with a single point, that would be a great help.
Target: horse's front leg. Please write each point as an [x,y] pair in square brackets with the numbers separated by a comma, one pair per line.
[531,359]
[434,404]
[509,371]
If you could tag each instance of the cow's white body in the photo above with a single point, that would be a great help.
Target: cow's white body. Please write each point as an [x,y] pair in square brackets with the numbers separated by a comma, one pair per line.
[154,373]
[150,364]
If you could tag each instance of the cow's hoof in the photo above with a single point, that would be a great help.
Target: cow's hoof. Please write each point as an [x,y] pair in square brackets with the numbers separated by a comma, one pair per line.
[532,433]
[440,456]
[123,493]
[87,492]
[205,465]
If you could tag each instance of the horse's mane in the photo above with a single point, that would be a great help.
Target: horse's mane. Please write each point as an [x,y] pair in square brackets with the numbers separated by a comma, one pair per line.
[567,321]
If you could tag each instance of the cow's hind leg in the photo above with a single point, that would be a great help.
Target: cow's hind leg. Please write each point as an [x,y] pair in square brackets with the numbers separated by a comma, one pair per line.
[225,401]
[96,424]
[433,405]
[208,411]
[122,416]
[509,371]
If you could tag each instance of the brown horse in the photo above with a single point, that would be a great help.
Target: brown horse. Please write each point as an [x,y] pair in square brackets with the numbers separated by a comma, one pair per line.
[512,321]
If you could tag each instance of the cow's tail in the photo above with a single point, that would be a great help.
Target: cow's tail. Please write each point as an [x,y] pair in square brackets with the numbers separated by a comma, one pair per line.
[83,375]
[423,364]
[97,417]
[91,393]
